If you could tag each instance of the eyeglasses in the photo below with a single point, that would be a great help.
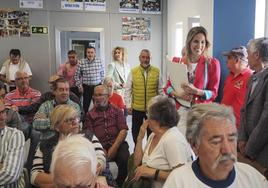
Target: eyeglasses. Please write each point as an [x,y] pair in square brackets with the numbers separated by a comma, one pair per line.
[71,120]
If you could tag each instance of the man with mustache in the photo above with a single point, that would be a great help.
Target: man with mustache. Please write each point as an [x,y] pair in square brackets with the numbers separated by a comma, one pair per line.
[212,134]
[108,123]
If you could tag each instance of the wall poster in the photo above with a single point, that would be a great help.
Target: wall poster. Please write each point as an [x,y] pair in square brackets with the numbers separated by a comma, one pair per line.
[129,6]
[151,6]
[136,28]
[14,23]
[31,3]
[95,5]
[72,4]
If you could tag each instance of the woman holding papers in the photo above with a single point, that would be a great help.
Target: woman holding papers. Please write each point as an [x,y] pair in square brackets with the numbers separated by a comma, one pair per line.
[203,72]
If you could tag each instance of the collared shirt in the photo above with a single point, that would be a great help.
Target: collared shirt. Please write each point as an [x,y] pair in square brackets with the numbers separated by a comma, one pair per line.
[90,72]
[18,99]
[128,90]
[13,68]
[234,92]
[11,156]
[42,117]
[68,71]
[106,124]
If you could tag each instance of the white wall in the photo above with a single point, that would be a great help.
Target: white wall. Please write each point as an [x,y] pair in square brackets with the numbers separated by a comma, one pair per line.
[40,50]
[180,11]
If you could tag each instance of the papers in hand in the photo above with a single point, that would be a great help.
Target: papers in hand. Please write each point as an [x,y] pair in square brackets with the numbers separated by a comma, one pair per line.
[178,74]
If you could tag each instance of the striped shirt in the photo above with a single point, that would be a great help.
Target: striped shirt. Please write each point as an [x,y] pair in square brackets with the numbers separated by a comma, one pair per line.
[90,72]
[17,98]
[38,165]
[11,157]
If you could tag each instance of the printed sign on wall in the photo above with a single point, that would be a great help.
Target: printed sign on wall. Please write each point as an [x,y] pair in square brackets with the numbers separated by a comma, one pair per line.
[31,3]
[136,28]
[151,7]
[95,5]
[129,6]
[72,4]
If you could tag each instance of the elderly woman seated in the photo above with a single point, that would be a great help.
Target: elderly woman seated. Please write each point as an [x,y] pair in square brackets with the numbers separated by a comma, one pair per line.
[166,148]
[64,121]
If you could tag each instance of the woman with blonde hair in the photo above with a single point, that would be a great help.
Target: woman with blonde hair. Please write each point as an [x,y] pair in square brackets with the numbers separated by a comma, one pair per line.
[203,72]
[118,69]
[64,121]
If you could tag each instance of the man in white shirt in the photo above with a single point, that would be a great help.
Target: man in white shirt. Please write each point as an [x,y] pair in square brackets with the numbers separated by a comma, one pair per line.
[11,66]
[212,133]
[144,82]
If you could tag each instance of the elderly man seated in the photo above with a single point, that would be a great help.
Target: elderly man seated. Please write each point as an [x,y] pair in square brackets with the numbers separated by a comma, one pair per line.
[11,152]
[74,164]
[33,108]
[212,133]
[108,123]
[23,95]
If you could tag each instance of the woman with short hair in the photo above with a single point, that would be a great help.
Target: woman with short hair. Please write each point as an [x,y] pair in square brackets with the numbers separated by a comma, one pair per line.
[166,147]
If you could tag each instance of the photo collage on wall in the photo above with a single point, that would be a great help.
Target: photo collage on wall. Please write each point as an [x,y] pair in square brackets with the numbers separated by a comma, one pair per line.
[14,23]
[136,28]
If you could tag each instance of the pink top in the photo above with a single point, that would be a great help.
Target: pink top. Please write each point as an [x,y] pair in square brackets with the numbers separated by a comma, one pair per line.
[67,71]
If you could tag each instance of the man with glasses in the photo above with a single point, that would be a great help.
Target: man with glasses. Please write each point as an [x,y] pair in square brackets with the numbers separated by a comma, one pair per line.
[42,117]
[108,123]
[11,66]
[23,95]
[11,153]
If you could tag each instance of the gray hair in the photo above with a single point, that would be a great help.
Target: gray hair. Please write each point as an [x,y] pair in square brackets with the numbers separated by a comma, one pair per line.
[74,152]
[105,88]
[259,45]
[163,110]
[201,113]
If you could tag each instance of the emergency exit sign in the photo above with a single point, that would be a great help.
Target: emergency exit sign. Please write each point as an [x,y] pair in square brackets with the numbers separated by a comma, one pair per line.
[39,30]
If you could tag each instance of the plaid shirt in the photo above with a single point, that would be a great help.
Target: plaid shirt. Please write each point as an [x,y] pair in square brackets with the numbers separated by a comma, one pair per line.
[90,72]
[42,117]
[106,125]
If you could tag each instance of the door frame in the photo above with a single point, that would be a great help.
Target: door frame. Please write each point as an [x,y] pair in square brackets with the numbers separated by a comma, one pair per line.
[58,30]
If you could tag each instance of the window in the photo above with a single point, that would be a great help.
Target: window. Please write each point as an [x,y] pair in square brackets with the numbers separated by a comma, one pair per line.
[260,18]
[193,21]
[178,39]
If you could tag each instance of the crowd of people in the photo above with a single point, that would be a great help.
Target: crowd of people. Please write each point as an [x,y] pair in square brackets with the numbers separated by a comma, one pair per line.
[223,144]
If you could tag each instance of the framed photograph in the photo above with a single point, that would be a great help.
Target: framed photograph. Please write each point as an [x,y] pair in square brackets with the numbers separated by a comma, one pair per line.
[129,6]
[151,6]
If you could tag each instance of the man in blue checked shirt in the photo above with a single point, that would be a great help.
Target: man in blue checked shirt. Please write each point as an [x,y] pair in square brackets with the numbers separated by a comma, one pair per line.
[89,73]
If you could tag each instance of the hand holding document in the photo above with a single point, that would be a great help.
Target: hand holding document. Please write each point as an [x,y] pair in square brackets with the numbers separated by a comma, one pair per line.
[178,76]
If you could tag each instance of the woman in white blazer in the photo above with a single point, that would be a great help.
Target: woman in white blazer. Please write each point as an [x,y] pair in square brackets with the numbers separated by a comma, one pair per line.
[118,69]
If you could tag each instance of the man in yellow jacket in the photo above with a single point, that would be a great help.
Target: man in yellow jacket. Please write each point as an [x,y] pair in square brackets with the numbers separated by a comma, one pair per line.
[144,82]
